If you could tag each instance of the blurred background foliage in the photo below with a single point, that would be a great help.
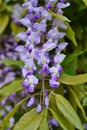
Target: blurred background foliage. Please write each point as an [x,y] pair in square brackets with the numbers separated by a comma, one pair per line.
[76,60]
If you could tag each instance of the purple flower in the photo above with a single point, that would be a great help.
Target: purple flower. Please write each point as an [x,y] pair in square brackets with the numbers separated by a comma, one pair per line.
[25,21]
[42,50]
[30,64]
[31,102]
[59,24]
[53,83]
[55,35]
[49,5]
[31,81]
[54,122]
[46,101]
[34,37]
[22,36]
[62,46]
[42,58]
[62,1]
[31,88]
[25,83]
[39,108]
[30,3]
[54,70]
[62,5]
[46,68]
[59,58]
[49,45]
[40,26]
[46,15]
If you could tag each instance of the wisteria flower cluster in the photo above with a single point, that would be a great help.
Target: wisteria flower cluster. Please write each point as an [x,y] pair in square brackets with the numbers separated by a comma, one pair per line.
[7,73]
[42,51]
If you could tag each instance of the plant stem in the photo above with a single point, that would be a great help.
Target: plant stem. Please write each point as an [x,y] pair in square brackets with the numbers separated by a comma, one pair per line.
[43,86]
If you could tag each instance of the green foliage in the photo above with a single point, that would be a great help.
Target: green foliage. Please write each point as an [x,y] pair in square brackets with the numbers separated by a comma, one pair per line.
[30,121]
[73,80]
[67,110]
[11,113]
[3,6]
[64,123]
[84,104]
[85,1]
[13,63]
[72,56]
[4,19]
[77,101]
[59,16]
[44,123]
[70,34]
[16,29]
[12,87]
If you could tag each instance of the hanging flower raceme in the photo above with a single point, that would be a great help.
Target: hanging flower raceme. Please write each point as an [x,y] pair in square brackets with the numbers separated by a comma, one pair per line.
[42,52]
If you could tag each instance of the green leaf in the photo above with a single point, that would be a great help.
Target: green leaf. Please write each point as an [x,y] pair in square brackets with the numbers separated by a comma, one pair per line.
[3,6]
[0,1]
[44,123]
[16,29]
[59,16]
[73,80]
[79,92]
[29,121]
[64,123]
[67,110]
[10,62]
[84,104]
[11,113]
[71,57]
[85,1]
[76,99]
[4,19]
[70,34]
[9,88]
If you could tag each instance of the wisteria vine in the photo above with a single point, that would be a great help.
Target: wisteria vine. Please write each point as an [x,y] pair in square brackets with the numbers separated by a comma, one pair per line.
[42,52]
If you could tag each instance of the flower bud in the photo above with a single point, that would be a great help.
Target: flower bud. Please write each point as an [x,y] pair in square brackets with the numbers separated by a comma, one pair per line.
[31,102]
[39,108]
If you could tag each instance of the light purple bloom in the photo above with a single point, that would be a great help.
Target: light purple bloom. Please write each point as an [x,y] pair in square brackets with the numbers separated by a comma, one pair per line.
[46,68]
[62,1]
[54,34]
[42,58]
[62,5]
[31,102]
[54,84]
[54,122]
[25,21]
[42,50]
[22,36]
[25,83]
[30,64]
[49,5]
[46,15]
[20,48]
[46,101]
[39,108]
[59,24]
[31,88]
[62,46]
[34,37]
[59,58]
[40,26]
[49,45]
[54,70]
